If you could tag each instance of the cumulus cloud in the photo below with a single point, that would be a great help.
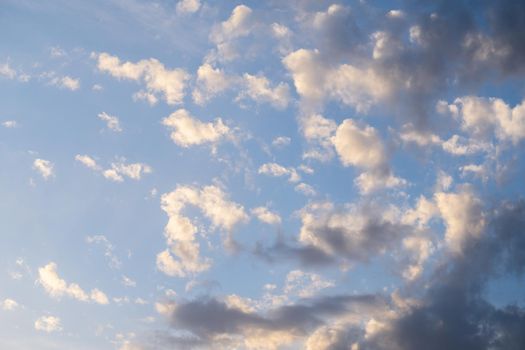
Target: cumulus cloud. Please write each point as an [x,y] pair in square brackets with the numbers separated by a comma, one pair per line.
[112,122]
[169,83]
[188,6]
[9,304]
[66,82]
[210,82]
[118,169]
[44,167]
[56,287]
[238,25]
[361,146]
[109,249]
[181,232]
[276,170]
[189,131]
[316,81]
[48,324]
[10,124]
[257,87]
[266,216]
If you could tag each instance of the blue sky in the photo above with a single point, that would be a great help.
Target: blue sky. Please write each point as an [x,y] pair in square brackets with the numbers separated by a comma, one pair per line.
[262,175]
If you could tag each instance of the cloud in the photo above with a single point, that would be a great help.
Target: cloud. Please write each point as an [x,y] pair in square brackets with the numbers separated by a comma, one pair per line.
[266,216]
[109,250]
[305,284]
[87,161]
[238,25]
[6,71]
[210,82]
[305,189]
[56,287]
[281,141]
[118,169]
[170,83]
[181,233]
[48,324]
[69,83]
[188,131]
[316,81]
[44,167]
[188,6]
[361,146]
[276,170]
[257,87]
[481,117]
[112,122]
[9,304]
[10,124]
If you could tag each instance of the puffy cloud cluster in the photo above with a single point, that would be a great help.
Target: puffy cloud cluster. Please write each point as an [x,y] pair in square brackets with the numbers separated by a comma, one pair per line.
[44,167]
[180,231]
[158,79]
[188,131]
[118,170]
[56,287]
[48,324]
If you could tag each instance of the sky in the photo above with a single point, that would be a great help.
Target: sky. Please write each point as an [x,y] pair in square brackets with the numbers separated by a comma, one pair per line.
[265,175]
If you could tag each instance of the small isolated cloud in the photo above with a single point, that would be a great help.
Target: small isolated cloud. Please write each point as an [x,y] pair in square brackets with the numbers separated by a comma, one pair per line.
[56,287]
[44,168]
[305,189]
[118,169]
[9,304]
[128,282]
[6,71]
[48,324]
[305,284]
[158,80]
[109,250]
[10,124]
[281,141]
[187,130]
[266,216]
[276,170]
[112,122]
[66,82]
[188,6]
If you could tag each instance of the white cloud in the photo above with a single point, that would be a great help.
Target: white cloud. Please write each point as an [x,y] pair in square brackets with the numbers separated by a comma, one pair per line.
[6,71]
[57,287]
[318,131]
[239,24]
[170,83]
[305,284]
[281,141]
[460,146]
[361,146]
[188,131]
[10,124]
[257,87]
[276,170]
[66,82]
[112,122]
[118,170]
[109,250]
[266,216]
[128,282]
[9,304]
[87,161]
[210,82]
[44,167]
[48,324]
[181,233]
[315,81]
[188,6]
[463,215]
[305,189]
[482,117]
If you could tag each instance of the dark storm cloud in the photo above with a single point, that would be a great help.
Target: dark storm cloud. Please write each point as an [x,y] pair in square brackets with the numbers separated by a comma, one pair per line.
[206,318]
[455,314]
[353,234]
